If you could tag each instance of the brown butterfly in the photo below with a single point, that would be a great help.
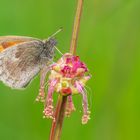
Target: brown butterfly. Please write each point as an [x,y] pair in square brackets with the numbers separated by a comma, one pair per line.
[22,58]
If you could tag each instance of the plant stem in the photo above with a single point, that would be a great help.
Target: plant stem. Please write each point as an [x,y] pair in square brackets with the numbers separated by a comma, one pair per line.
[76,27]
[59,117]
[61,103]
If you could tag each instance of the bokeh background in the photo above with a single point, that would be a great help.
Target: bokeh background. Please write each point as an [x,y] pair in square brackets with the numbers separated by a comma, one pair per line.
[109,43]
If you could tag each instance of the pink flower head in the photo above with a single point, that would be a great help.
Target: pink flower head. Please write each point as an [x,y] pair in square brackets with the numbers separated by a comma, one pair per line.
[73,66]
[68,76]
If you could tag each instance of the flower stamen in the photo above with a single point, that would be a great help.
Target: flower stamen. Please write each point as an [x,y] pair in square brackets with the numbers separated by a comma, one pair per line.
[48,111]
[70,106]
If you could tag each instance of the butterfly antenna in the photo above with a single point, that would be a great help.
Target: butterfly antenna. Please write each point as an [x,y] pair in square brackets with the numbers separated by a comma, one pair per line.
[59,30]
[58,50]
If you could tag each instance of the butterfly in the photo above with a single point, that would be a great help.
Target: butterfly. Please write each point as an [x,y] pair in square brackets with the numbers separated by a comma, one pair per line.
[22,58]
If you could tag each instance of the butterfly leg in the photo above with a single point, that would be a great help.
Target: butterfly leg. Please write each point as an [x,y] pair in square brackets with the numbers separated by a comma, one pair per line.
[70,106]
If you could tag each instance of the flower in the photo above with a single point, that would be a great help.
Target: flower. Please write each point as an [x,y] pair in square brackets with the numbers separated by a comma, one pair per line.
[67,77]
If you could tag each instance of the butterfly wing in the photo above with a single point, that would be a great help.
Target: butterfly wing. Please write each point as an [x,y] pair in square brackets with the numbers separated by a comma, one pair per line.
[9,41]
[20,63]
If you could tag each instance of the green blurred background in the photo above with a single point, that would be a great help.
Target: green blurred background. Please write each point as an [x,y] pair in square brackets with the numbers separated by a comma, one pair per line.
[109,42]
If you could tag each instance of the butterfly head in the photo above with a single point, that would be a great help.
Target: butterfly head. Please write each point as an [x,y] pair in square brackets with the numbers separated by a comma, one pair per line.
[49,47]
[51,41]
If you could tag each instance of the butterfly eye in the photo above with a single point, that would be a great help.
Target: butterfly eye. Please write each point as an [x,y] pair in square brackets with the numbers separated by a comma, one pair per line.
[52,42]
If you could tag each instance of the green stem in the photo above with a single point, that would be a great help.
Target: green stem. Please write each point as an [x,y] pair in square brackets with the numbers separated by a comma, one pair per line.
[76,27]
[61,103]
[59,117]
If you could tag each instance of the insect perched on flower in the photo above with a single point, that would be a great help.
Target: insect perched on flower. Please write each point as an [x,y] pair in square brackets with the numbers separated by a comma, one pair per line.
[22,58]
